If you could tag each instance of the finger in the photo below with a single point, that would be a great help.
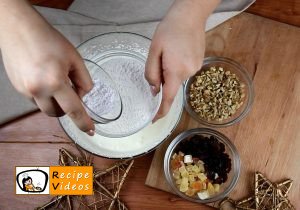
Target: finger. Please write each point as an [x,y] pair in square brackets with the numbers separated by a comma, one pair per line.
[153,69]
[169,91]
[80,76]
[49,106]
[71,104]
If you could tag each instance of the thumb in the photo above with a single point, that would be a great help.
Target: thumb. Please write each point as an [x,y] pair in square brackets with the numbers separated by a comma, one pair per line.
[169,92]
[153,69]
[80,76]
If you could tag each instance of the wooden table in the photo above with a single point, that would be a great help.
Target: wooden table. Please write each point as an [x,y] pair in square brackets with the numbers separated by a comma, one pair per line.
[35,140]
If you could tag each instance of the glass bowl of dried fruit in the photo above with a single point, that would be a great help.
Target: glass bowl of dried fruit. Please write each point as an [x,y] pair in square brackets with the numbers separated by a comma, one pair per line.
[202,165]
[220,93]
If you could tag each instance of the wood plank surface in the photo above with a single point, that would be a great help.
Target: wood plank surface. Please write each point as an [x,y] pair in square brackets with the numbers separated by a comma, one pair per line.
[268,139]
[31,130]
[287,11]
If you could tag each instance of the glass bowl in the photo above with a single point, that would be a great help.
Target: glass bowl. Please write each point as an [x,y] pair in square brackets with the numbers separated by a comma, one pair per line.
[230,149]
[123,56]
[103,96]
[243,76]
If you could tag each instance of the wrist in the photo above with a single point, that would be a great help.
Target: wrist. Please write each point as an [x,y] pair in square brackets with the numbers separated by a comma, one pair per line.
[17,17]
[193,12]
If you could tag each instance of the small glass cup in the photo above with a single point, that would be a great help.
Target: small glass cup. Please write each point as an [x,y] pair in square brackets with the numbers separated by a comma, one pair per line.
[115,105]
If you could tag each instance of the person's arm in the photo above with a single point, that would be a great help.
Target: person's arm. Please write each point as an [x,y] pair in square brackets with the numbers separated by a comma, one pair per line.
[177,48]
[40,63]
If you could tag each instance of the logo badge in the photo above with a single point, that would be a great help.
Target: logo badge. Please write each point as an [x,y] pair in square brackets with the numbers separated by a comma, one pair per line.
[54,180]
[32,180]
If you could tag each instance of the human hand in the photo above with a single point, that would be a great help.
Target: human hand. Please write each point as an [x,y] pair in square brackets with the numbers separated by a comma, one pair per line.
[177,49]
[42,64]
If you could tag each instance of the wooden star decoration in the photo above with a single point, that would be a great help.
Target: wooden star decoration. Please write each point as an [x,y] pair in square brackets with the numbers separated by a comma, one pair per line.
[272,196]
[107,185]
[267,196]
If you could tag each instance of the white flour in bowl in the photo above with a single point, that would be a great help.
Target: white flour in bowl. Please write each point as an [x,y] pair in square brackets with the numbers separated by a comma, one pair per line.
[100,99]
[139,106]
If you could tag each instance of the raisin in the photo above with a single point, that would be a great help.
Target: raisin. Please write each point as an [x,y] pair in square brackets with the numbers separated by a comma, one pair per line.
[212,152]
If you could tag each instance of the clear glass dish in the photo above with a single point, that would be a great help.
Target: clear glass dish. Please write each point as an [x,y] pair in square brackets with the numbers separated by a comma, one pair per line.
[123,57]
[244,77]
[230,149]
[110,98]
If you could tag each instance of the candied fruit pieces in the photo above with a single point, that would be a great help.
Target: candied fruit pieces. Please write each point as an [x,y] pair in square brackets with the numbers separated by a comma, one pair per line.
[182,169]
[189,168]
[191,178]
[211,151]
[202,176]
[178,181]
[188,159]
[203,194]
[202,168]
[197,185]
[210,189]
[217,188]
[195,168]
[190,192]
[176,174]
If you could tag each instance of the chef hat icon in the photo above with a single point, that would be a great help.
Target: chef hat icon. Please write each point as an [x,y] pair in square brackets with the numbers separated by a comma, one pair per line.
[25,175]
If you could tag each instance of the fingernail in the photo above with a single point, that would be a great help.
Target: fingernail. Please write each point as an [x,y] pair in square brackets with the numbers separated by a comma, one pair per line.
[91,132]
[153,90]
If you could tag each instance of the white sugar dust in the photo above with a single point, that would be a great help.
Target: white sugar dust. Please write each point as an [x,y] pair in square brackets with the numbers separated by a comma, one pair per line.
[101,98]
[139,105]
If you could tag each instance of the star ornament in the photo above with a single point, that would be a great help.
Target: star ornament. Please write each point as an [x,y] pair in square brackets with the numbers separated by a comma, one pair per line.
[267,196]
[270,195]
[107,185]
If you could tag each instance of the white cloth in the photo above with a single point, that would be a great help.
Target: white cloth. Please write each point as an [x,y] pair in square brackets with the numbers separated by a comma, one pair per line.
[87,18]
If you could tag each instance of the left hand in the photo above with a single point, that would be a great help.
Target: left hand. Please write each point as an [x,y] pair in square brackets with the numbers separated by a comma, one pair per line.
[176,51]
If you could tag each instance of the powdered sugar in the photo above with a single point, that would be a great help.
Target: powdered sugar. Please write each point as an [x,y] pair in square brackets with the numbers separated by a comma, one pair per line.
[100,99]
[139,106]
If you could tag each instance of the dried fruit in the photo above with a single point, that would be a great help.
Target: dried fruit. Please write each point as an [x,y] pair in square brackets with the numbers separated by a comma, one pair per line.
[190,192]
[203,194]
[202,177]
[217,187]
[176,174]
[212,152]
[197,185]
[187,159]
[195,168]
[206,169]
[210,189]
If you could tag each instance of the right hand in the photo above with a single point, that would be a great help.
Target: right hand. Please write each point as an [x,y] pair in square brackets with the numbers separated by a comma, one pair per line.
[41,63]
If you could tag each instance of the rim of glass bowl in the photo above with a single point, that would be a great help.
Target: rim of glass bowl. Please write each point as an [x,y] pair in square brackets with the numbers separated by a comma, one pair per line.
[249,86]
[236,162]
[97,119]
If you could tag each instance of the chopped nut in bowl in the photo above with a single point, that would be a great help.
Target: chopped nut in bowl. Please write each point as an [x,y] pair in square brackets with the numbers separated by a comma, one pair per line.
[220,94]
[202,165]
